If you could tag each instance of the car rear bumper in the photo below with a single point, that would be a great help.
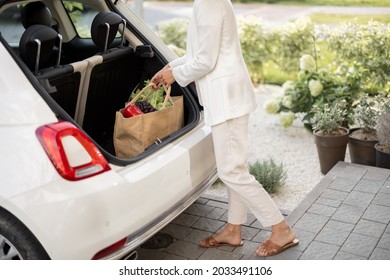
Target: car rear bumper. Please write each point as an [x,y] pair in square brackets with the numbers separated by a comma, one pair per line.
[142,235]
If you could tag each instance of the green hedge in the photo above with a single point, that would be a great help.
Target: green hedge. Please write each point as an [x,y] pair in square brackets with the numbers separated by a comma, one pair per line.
[272,55]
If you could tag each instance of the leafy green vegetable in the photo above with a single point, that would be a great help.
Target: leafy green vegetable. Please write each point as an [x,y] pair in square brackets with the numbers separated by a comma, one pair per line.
[154,97]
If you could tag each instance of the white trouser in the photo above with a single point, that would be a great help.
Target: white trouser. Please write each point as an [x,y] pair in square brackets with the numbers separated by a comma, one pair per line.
[244,191]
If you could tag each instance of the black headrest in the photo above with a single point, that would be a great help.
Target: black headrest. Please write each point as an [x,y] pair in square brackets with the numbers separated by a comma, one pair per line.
[35,13]
[47,38]
[102,23]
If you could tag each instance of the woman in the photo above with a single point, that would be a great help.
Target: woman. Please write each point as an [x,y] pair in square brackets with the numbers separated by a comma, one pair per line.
[214,61]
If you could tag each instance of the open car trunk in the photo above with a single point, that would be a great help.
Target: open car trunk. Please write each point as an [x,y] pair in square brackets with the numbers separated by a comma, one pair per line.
[110,86]
[106,96]
[89,85]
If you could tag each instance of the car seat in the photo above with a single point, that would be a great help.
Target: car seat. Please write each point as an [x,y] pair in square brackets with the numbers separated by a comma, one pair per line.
[62,82]
[35,13]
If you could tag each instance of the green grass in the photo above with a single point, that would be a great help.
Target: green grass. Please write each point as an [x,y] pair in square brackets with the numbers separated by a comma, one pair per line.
[377,3]
[273,74]
[343,18]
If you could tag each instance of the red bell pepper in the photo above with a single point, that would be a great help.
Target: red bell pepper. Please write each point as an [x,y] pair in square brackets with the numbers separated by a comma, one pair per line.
[131,111]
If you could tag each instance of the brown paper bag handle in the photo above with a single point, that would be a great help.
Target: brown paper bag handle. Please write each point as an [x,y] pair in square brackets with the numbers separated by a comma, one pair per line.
[167,95]
[138,95]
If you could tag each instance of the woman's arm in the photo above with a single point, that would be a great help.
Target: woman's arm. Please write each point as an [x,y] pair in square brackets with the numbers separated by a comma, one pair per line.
[209,19]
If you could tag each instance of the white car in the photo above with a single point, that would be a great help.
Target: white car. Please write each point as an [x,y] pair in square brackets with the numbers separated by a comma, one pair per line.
[64,194]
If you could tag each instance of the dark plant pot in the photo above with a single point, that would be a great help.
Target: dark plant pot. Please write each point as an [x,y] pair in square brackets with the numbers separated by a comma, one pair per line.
[362,151]
[382,158]
[331,149]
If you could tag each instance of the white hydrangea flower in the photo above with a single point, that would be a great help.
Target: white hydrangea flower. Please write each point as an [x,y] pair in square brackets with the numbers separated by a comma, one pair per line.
[307,62]
[272,107]
[315,87]
[287,101]
[287,119]
[278,98]
[287,85]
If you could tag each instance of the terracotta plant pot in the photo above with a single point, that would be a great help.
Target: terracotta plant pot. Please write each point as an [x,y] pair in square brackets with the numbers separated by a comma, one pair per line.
[382,158]
[331,149]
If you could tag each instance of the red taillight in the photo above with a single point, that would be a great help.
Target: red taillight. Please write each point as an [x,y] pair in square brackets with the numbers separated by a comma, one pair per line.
[110,249]
[75,161]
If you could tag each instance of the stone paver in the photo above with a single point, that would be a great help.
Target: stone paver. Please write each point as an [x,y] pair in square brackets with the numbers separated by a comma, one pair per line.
[320,251]
[361,245]
[345,217]
[332,236]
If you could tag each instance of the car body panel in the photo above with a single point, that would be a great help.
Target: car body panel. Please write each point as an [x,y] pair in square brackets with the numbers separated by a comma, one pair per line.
[22,110]
[77,219]
[105,208]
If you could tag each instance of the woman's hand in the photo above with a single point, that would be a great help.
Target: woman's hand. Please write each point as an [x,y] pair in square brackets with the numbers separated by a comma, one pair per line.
[163,77]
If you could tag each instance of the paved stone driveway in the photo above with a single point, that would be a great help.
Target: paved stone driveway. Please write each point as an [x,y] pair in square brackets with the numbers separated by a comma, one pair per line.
[346,216]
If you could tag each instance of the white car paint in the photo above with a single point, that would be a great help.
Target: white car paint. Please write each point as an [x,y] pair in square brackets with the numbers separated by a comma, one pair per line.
[77,219]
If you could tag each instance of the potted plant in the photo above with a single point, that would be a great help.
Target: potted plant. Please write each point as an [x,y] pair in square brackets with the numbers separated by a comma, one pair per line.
[315,86]
[330,137]
[363,138]
[383,132]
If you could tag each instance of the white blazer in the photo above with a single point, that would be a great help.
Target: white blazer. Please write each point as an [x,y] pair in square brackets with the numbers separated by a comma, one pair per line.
[214,61]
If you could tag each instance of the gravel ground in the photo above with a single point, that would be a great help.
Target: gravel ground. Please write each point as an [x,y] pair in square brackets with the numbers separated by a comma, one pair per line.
[293,147]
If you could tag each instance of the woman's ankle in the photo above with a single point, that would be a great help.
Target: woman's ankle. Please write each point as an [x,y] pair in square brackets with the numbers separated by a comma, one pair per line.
[233,228]
[281,227]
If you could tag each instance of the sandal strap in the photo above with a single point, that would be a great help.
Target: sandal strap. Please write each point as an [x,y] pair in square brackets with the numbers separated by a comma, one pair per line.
[211,241]
[271,247]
